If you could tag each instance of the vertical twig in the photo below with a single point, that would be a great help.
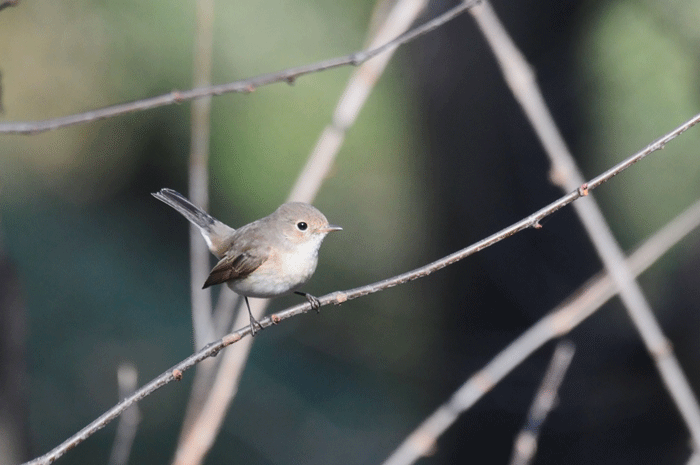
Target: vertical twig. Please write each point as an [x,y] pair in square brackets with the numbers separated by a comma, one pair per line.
[127,382]
[199,172]
[525,445]
[201,301]
[14,381]
[521,80]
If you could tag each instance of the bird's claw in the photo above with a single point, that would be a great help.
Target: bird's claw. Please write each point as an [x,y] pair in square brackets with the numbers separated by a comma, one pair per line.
[253,324]
[315,303]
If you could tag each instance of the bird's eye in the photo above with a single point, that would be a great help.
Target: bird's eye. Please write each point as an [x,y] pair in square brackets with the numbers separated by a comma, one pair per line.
[301,226]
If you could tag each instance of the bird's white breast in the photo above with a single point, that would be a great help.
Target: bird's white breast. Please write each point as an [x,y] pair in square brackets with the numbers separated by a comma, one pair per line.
[286,270]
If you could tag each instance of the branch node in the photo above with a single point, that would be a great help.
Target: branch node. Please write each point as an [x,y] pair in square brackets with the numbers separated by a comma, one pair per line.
[583,190]
[177,374]
[177,96]
[250,89]
[537,225]
[275,319]
[340,297]
[290,80]
[357,58]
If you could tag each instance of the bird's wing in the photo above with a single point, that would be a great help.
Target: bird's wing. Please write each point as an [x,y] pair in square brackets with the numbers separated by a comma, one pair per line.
[237,266]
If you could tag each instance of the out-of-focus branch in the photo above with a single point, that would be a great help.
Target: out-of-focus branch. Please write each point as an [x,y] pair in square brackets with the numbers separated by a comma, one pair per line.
[559,322]
[343,296]
[127,382]
[14,382]
[566,174]
[2,108]
[5,3]
[694,459]
[193,447]
[199,172]
[244,86]
[202,320]
[525,445]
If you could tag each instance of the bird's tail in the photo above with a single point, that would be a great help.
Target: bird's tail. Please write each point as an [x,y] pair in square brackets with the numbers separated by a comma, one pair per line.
[214,231]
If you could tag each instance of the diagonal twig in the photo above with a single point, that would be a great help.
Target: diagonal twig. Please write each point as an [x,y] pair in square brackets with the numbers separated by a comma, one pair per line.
[244,86]
[525,444]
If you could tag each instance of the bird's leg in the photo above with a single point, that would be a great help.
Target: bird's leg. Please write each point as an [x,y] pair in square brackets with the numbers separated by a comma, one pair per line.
[315,303]
[253,321]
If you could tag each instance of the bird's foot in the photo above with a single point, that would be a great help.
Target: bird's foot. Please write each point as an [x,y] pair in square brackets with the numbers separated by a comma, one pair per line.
[315,303]
[253,324]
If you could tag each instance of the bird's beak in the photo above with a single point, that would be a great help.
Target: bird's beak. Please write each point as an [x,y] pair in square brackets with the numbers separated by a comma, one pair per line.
[330,228]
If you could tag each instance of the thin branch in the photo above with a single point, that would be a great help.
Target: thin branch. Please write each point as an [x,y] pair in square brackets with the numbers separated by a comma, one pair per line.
[340,297]
[525,445]
[202,320]
[566,174]
[245,86]
[199,173]
[127,380]
[559,322]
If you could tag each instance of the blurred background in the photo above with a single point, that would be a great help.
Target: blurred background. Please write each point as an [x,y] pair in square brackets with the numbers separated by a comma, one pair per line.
[94,271]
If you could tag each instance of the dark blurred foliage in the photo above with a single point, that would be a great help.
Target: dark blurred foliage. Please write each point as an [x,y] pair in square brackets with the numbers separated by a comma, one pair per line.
[440,157]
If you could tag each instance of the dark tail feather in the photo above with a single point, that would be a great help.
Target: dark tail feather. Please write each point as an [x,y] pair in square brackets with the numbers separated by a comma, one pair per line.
[186,208]
[216,234]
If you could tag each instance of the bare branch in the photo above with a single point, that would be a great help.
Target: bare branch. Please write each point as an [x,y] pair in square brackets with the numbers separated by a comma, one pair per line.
[202,319]
[199,173]
[566,174]
[245,86]
[525,445]
[343,296]
[582,304]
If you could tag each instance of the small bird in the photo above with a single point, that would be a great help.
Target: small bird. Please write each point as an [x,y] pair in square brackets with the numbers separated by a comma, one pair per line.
[272,256]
